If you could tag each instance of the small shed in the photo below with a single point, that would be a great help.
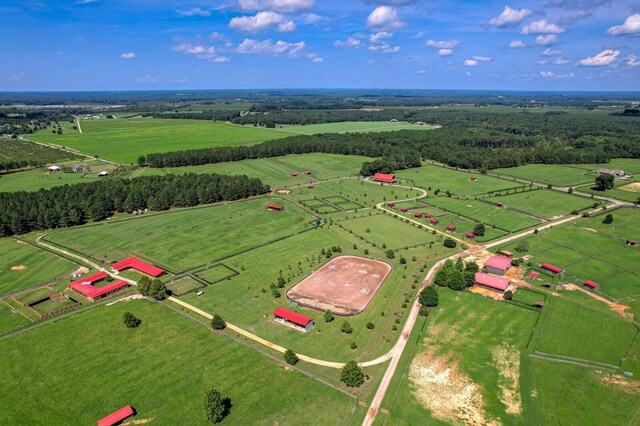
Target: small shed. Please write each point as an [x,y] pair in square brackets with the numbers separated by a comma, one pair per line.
[293,319]
[295,174]
[404,209]
[470,235]
[117,417]
[473,178]
[506,253]
[498,204]
[533,275]
[552,268]
[103,173]
[428,215]
[546,284]
[274,207]
[54,168]
[311,186]
[308,172]
[451,228]
[631,242]
[384,178]
[390,204]
[419,215]
[591,284]
[434,221]
[538,304]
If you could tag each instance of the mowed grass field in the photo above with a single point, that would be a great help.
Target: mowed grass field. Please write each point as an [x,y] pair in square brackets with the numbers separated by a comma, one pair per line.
[123,140]
[184,239]
[484,212]
[10,318]
[457,182]
[79,369]
[544,202]
[353,127]
[22,265]
[276,171]
[382,229]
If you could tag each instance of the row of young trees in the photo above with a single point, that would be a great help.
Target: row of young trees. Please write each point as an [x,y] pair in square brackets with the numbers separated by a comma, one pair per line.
[456,275]
[69,205]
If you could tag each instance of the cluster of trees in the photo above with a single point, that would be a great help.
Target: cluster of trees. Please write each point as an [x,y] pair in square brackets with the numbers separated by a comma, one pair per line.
[217,323]
[69,205]
[604,182]
[216,406]
[352,375]
[130,320]
[456,276]
[429,297]
[21,122]
[152,288]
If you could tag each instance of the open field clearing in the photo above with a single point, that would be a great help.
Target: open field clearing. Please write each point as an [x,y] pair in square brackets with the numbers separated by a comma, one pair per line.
[485,212]
[33,180]
[22,265]
[624,189]
[185,239]
[20,150]
[384,230]
[353,126]
[181,361]
[10,318]
[123,140]
[544,202]
[457,182]
[276,171]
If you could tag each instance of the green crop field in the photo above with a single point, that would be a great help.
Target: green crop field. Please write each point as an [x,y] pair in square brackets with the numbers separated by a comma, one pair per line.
[161,368]
[22,265]
[10,319]
[185,239]
[276,171]
[383,229]
[353,126]
[624,189]
[457,182]
[554,174]
[123,140]
[544,202]
[24,150]
[485,212]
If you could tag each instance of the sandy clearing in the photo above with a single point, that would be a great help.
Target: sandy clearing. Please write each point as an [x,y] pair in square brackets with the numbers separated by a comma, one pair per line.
[507,359]
[617,382]
[18,268]
[619,308]
[632,187]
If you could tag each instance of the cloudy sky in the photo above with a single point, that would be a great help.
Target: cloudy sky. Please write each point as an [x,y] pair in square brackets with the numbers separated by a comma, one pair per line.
[438,44]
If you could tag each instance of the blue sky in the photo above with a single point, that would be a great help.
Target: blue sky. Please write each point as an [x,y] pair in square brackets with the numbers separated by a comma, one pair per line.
[226,44]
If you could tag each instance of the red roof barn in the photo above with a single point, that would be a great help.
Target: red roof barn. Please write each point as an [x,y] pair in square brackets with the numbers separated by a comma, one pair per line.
[470,235]
[294,319]
[295,174]
[552,268]
[434,221]
[85,286]
[308,172]
[417,214]
[498,264]
[311,186]
[274,207]
[117,417]
[451,228]
[591,284]
[492,282]
[404,209]
[383,177]
[390,204]
[138,265]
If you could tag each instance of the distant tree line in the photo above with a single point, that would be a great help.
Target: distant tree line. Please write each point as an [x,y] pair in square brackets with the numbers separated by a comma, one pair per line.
[69,205]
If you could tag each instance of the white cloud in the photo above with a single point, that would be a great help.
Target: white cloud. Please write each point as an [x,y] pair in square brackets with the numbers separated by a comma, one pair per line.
[353,42]
[549,74]
[631,25]
[561,61]
[442,44]
[384,18]
[392,2]
[546,39]
[542,27]
[262,21]
[550,52]
[517,44]
[384,48]
[216,36]
[148,78]
[510,17]
[313,19]
[420,72]
[576,16]
[128,55]
[268,47]
[445,52]
[282,6]
[377,37]
[542,62]
[633,61]
[418,35]
[482,58]
[16,77]
[371,61]
[194,11]
[606,57]
[315,58]
[471,62]
[201,51]
[576,4]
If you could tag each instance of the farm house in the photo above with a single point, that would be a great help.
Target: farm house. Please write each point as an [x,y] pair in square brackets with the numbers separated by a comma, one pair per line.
[138,265]
[552,268]
[615,172]
[274,207]
[451,228]
[498,265]
[419,215]
[492,282]
[384,178]
[86,287]
[54,168]
[293,319]
[591,284]
[117,417]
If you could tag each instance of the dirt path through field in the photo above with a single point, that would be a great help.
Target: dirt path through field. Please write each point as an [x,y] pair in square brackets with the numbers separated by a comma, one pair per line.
[619,308]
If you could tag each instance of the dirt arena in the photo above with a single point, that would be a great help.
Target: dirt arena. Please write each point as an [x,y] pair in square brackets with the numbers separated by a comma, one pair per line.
[345,285]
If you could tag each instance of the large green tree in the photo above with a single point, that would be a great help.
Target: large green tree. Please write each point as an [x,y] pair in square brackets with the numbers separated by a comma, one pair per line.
[429,296]
[216,407]
[604,182]
[352,374]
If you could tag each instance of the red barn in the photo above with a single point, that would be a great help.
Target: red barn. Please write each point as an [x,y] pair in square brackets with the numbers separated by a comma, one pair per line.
[492,282]
[311,186]
[295,174]
[417,214]
[274,207]
[390,204]
[451,228]
[139,265]
[591,284]
[293,319]
[497,265]
[434,221]
[552,268]
[404,209]
[385,178]
[307,172]
[117,417]
[428,215]
[85,286]
[470,235]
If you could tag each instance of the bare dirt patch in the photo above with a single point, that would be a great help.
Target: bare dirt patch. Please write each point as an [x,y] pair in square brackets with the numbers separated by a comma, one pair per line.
[632,187]
[283,191]
[507,359]
[345,285]
[18,268]
[589,229]
[618,307]
[81,270]
[125,299]
[617,382]
[449,394]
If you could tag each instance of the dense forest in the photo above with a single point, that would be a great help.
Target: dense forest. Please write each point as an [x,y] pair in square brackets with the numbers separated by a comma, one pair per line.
[69,205]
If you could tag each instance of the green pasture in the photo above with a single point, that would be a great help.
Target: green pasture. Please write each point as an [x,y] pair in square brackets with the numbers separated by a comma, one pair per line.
[123,140]
[82,368]
[276,171]
[544,202]
[624,189]
[183,285]
[579,326]
[382,229]
[624,226]
[185,239]
[215,273]
[455,181]
[39,265]
[10,318]
[352,127]
[24,150]
[554,174]
[485,212]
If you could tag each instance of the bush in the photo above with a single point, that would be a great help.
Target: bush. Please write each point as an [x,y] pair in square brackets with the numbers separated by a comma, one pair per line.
[346,327]
[370,326]
[217,323]
[608,219]
[390,254]
[290,357]
[328,316]
[352,374]
[424,311]
[508,295]
[130,320]
[216,407]
[353,345]
[523,246]
[450,243]
[479,229]
[429,296]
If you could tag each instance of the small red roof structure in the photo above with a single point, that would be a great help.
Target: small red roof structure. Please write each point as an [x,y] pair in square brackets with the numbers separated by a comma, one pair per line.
[383,177]
[117,417]
[434,221]
[533,275]
[591,284]
[390,203]
[138,265]
[498,204]
[546,284]
[428,215]
[310,186]
[417,214]
[295,174]
[552,268]
[538,304]
[498,262]
[470,235]
[404,209]
[307,172]
[474,178]
[293,317]
[492,281]
[451,227]
[85,287]
[506,253]
[274,207]
[632,242]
